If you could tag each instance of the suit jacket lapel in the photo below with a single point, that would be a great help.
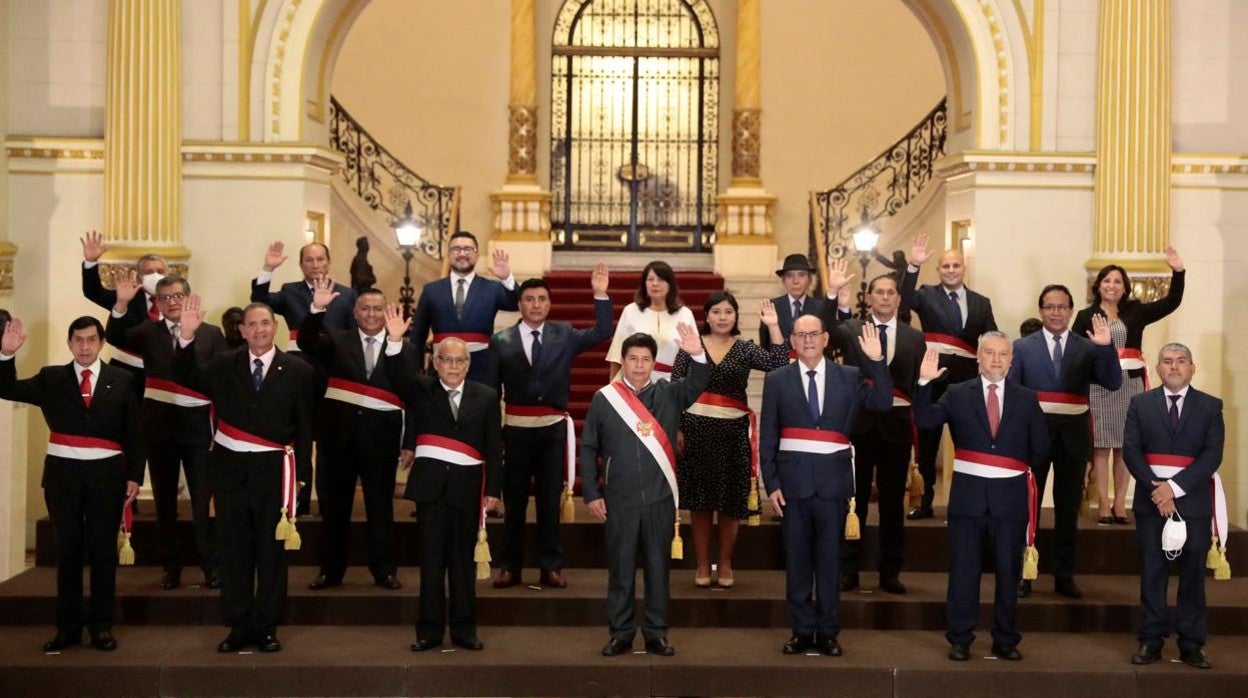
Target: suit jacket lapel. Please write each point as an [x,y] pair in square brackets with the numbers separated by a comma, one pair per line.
[355,354]
[442,400]
[981,405]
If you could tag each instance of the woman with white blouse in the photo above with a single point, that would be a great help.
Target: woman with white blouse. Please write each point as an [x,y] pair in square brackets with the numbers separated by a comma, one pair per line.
[656,310]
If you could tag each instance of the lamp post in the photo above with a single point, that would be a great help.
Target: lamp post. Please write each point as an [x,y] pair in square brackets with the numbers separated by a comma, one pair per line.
[865,239]
[408,233]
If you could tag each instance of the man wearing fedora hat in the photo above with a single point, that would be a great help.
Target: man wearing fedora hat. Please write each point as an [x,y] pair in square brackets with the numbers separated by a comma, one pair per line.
[797,274]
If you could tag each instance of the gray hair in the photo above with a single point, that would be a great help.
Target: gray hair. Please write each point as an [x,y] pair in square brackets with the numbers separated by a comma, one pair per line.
[152,257]
[1175,346]
[992,334]
[457,342]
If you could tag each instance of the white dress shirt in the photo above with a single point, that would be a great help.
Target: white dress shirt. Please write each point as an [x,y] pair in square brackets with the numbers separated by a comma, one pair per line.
[526,338]
[821,372]
[1000,392]
[961,294]
[95,373]
[1174,486]
[266,358]
[890,336]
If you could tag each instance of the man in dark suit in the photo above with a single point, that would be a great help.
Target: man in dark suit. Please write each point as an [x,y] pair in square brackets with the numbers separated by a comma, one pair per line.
[809,408]
[455,477]
[1060,366]
[262,453]
[358,429]
[531,364]
[630,428]
[882,441]
[176,419]
[1000,436]
[953,318]
[797,275]
[1173,446]
[151,268]
[293,299]
[93,469]
[463,305]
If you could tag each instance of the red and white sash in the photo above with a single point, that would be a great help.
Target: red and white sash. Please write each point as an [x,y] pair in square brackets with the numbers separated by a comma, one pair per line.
[455,452]
[647,429]
[949,344]
[293,344]
[171,393]
[475,340]
[990,465]
[128,358]
[363,395]
[661,370]
[537,417]
[818,441]
[1061,403]
[1131,359]
[239,441]
[719,406]
[77,447]
[1165,465]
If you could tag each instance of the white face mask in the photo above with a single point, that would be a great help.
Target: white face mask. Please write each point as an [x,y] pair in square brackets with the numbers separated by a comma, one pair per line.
[150,281]
[1174,536]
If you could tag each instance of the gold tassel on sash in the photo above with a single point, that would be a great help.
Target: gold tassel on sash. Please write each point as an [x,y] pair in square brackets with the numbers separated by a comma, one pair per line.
[121,540]
[1031,563]
[567,512]
[481,554]
[293,540]
[853,530]
[751,505]
[678,545]
[915,490]
[125,556]
[283,526]
[1217,561]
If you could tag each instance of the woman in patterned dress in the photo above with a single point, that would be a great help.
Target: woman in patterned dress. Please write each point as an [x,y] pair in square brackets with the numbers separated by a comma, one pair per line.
[1111,297]
[715,467]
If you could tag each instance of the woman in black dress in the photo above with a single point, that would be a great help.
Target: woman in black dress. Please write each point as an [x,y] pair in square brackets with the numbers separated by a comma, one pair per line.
[716,465]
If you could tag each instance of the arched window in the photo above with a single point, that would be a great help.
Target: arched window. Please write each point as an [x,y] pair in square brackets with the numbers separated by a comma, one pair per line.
[634,135]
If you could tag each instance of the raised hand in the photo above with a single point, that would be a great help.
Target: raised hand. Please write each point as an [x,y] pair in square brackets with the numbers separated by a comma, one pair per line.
[192,316]
[845,297]
[274,256]
[13,337]
[1099,334]
[126,282]
[1173,259]
[869,342]
[92,246]
[837,278]
[919,251]
[599,279]
[500,266]
[396,326]
[767,313]
[690,341]
[323,292]
[930,369]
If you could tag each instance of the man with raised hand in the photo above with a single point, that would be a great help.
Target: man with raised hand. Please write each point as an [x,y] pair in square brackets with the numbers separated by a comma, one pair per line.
[150,268]
[293,301]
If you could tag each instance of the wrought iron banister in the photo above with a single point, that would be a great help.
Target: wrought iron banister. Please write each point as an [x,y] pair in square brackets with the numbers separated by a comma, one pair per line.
[387,185]
[877,190]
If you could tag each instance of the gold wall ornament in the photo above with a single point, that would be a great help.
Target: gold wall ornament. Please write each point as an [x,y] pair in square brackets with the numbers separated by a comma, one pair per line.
[7,252]
[746,143]
[1145,288]
[522,141]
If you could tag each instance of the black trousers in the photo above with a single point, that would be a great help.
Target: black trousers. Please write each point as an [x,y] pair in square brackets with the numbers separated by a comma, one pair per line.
[812,529]
[335,486]
[84,500]
[646,531]
[1070,446]
[447,536]
[967,535]
[165,459]
[253,561]
[537,456]
[888,462]
[1192,623]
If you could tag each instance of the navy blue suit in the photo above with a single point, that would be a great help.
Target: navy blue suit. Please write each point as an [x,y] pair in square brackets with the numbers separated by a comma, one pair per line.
[293,301]
[816,487]
[537,454]
[979,506]
[1070,445]
[811,305]
[1200,434]
[435,311]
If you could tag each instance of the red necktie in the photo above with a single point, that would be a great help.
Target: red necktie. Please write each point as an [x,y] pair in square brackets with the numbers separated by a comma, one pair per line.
[994,409]
[85,387]
[153,313]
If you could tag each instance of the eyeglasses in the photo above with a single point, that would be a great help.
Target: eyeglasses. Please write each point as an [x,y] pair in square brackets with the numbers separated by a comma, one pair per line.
[166,297]
[806,335]
[1054,308]
[452,360]
[463,250]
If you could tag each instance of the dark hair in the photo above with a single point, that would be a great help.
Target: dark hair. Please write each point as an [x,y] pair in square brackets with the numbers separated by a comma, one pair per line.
[638,339]
[713,300]
[1031,325]
[535,282]
[231,320]
[1126,285]
[314,244]
[171,280]
[4,319]
[663,270]
[370,291]
[1051,288]
[82,323]
[252,306]
[881,277]
[463,234]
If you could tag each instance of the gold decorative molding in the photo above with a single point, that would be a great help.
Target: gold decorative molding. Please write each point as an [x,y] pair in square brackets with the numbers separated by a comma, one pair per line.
[7,252]
[279,53]
[521,214]
[315,155]
[746,127]
[744,214]
[522,142]
[1146,285]
[997,161]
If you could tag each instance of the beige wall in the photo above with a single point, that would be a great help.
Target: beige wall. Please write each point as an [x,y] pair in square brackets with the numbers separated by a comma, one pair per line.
[1210,98]
[56,70]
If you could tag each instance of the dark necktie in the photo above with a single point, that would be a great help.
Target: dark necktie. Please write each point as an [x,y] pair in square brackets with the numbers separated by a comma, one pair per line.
[812,395]
[956,310]
[176,330]
[85,387]
[460,291]
[994,409]
[883,341]
[1174,409]
[797,309]
[257,374]
[537,348]
[1057,355]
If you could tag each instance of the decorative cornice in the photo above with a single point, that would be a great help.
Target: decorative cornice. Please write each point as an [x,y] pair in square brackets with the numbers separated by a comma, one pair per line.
[970,161]
[54,148]
[312,154]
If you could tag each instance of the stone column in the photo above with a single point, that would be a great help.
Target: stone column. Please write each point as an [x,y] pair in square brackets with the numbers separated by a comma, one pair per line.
[143,131]
[743,227]
[1133,142]
[521,208]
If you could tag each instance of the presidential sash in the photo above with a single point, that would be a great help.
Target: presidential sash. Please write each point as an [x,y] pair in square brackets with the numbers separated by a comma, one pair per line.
[239,441]
[76,447]
[538,417]
[1166,466]
[989,465]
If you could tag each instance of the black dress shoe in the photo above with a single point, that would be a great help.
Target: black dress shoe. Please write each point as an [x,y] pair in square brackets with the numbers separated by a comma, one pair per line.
[617,646]
[892,585]
[422,645]
[171,578]
[1196,658]
[323,581]
[212,578]
[799,644]
[1024,589]
[234,642]
[829,646]
[469,643]
[63,640]
[1006,652]
[103,641]
[388,581]
[1068,588]
[959,652]
[660,646]
[1146,654]
[849,581]
[919,513]
[268,643]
